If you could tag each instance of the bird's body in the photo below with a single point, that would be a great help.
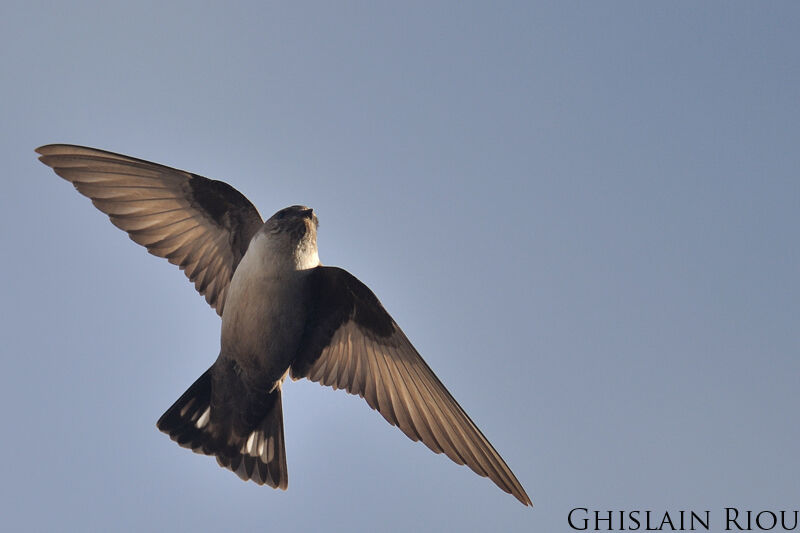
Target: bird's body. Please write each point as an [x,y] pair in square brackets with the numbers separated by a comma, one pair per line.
[283,313]
[263,334]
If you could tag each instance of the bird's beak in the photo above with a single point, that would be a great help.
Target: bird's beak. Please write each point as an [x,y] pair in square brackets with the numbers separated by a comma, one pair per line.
[308,213]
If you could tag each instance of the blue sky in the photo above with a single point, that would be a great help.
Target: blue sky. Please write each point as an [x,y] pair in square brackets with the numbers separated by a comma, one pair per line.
[584,215]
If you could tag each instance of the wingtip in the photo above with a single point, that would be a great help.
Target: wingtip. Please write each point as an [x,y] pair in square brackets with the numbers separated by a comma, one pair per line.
[523,498]
[528,502]
[44,151]
[46,148]
[52,149]
[69,149]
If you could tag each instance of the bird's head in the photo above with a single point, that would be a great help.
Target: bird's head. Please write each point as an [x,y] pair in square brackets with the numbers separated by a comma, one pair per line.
[295,229]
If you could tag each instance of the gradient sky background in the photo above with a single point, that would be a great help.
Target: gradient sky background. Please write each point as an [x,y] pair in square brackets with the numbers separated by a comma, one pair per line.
[584,215]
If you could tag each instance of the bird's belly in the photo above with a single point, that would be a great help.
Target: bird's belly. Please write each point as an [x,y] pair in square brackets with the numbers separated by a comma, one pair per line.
[262,326]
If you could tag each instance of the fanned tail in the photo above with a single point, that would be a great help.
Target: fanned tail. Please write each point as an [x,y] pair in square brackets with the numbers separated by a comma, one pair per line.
[259,456]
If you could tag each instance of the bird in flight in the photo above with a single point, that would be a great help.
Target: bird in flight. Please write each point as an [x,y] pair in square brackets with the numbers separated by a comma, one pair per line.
[283,314]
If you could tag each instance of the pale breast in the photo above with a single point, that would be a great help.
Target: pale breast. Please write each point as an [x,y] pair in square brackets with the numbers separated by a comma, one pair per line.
[264,312]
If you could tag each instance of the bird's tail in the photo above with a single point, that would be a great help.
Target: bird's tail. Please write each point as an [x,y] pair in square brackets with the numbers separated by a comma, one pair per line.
[259,456]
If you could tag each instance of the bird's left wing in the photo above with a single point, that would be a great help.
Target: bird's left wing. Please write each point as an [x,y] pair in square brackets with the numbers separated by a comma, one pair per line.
[352,343]
[204,226]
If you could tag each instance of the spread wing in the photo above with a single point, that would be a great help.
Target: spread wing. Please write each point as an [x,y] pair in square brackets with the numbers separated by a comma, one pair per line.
[204,226]
[352,343]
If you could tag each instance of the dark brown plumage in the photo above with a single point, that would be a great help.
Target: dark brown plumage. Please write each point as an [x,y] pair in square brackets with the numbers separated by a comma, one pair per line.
[282,313]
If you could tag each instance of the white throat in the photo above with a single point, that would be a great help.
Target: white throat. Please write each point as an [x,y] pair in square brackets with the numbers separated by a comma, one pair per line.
[273,254]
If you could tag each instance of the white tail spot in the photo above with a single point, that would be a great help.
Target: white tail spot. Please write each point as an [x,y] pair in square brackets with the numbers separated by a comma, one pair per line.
[186,407]
[260,449]
[203,420]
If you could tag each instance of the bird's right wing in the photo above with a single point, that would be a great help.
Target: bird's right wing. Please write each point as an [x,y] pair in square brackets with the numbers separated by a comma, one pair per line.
[352,343]
[204,226]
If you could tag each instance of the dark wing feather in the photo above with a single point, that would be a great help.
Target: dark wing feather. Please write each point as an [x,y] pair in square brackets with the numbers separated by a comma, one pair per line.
[204,226]
[352,343]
